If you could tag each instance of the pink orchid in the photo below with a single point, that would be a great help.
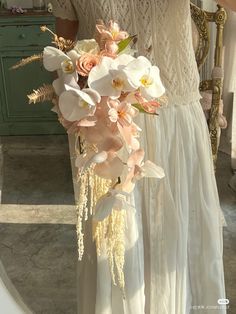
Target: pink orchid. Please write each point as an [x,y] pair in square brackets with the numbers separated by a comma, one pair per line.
[121,112]
[87,122]
[112,32]
[71,127]
[110,143]
[130,135]
[133,167]
[111,48]
[137,169]
[103,134]
[111,168]
[106,165]
[107,144]
[105,137]
[109,37]
[105,53]
[148,106]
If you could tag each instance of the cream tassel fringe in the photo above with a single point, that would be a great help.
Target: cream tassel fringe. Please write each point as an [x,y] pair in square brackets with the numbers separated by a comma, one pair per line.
[108,234]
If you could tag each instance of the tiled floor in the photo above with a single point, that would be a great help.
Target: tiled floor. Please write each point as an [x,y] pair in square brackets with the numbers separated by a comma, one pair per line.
[37,233]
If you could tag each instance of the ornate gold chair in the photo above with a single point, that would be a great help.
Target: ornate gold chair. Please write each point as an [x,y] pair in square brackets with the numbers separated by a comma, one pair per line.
[201,25]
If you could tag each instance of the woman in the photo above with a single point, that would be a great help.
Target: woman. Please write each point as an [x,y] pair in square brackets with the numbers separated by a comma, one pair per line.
[179,269]
[230,4]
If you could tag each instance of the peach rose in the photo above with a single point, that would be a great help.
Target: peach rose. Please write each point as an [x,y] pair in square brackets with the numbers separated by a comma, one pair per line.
[86,62]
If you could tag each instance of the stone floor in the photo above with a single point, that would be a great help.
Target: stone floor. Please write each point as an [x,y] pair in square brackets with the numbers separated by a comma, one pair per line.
[37,216]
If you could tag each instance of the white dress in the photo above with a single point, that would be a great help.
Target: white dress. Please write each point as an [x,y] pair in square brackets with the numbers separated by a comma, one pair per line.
[179,269]
[10,300]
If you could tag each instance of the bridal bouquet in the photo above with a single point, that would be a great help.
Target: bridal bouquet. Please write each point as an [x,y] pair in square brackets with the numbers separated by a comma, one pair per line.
[100,90]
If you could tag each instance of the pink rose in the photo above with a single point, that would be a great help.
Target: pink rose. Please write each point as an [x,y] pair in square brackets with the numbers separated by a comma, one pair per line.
[86,62]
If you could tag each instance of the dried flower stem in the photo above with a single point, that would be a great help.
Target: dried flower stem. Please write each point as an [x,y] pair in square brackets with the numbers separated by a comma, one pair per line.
[27,60]
[44,28]
[109,234]
[61,43]
[81,211]
[44,93]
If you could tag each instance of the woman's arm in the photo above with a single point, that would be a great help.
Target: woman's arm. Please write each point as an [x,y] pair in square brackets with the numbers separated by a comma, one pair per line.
[66,28]
[230,4]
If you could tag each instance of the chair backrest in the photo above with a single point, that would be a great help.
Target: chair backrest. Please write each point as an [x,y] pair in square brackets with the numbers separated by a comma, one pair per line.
[201,34]
[202,20]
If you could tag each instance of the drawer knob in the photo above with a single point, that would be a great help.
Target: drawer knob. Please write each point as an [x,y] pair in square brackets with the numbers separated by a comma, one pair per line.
[22,36]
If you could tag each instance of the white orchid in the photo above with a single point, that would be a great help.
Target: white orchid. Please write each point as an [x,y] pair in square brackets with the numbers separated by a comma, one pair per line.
[64,79]
[84,161]
[54,59]
[108,78]
[76,104]
[144,76]
[113,200]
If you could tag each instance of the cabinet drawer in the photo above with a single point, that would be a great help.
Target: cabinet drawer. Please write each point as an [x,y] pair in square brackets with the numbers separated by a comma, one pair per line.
[21,36]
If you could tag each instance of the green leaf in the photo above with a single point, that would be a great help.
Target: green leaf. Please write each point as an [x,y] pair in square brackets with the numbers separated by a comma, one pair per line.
[125,43]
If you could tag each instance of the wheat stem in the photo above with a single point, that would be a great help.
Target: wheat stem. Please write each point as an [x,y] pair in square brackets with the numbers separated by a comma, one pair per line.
[44,93]
[27,60]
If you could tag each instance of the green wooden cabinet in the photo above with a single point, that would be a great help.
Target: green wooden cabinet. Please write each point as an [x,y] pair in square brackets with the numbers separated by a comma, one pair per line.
[20,36]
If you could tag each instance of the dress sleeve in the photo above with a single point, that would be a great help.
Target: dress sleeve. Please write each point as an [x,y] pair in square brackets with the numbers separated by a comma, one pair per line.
[64,9]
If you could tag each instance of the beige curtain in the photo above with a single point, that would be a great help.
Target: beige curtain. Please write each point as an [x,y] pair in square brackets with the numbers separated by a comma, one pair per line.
[228,140]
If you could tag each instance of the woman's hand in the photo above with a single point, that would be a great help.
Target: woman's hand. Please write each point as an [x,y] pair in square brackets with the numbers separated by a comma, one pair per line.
[67,29]
[230,4]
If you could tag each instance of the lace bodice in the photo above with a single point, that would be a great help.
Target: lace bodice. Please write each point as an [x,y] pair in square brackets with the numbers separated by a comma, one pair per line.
[164,35]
